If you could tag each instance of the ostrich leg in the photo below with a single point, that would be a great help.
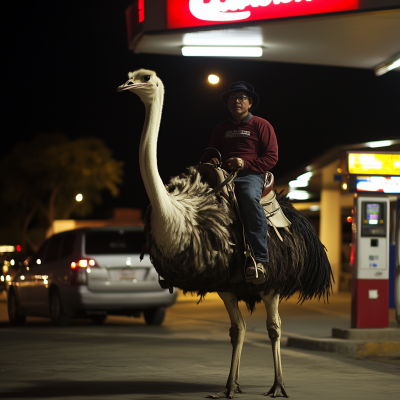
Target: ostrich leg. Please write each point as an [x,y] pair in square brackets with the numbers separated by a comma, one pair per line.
[274,332]
[236,332]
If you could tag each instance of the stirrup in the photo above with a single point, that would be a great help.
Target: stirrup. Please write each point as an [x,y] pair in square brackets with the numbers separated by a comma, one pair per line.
[259,277]
[250,262]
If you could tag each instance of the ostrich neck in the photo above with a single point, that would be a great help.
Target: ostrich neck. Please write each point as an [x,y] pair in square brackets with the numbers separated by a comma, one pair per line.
[148,154]
[164,214]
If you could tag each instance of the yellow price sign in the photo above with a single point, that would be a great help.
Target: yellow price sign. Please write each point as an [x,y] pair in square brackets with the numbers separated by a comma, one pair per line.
[374,163]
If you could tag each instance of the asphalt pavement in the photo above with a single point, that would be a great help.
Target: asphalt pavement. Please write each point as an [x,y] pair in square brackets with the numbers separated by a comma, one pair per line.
[187,357]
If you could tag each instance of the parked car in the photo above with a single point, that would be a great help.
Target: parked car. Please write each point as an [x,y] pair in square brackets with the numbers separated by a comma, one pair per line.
[89,272]
[10,262]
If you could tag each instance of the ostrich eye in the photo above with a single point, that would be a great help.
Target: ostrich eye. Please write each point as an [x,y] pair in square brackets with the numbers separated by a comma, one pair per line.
[146,78]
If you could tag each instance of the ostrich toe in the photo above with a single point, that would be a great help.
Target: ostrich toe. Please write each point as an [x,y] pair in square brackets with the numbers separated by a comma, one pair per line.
[227,393]
[277,390]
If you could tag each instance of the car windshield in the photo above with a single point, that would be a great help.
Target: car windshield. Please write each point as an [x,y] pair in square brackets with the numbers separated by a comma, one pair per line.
[114,242]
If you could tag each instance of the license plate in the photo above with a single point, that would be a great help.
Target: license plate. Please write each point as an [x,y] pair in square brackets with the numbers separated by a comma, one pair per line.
[128,274]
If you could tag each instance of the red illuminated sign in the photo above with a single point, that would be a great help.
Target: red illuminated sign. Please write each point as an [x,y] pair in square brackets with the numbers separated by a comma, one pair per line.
[190,13]
[141,10]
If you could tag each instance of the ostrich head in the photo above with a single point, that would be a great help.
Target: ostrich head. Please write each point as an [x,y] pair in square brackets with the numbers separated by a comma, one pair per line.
[145,83]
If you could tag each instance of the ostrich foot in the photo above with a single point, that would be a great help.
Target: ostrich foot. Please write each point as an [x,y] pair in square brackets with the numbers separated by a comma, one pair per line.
[277,390]
[227,393]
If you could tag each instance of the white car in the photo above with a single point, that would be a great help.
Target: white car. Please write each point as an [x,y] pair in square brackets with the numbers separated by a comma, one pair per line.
[89,272]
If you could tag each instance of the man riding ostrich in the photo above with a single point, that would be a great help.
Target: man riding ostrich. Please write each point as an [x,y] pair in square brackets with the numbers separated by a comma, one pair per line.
[248,144]
[195,241]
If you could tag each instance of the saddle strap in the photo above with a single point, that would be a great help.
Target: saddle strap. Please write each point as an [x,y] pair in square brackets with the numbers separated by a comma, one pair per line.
[276,229]
[230,177]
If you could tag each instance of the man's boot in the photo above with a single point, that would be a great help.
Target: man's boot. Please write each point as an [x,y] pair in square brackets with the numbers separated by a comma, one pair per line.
[251,273]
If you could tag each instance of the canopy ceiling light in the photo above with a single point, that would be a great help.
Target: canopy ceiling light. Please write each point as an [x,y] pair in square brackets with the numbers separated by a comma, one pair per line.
[248,36]
[388,66]
[301,181]
[298,195]
[379,143]
[221,51]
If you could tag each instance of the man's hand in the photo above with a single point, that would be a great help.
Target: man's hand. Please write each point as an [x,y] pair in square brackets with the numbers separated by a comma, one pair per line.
[214,161]
[235,164]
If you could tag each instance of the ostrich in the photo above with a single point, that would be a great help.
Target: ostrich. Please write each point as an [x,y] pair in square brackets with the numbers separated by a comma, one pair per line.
[195,242]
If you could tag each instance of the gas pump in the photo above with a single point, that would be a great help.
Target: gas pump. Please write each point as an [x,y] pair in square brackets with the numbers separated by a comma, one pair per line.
[370,283]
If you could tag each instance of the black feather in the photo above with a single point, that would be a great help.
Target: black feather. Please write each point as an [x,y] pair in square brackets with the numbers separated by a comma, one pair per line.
[298,264]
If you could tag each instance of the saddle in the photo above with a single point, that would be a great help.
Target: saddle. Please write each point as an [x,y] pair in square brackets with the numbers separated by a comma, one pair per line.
[225,187]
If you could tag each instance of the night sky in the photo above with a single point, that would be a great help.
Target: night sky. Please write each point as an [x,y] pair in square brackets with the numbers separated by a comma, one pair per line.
[64,60]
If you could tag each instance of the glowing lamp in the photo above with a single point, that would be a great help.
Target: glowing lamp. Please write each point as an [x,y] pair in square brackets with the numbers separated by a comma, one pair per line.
[213,79]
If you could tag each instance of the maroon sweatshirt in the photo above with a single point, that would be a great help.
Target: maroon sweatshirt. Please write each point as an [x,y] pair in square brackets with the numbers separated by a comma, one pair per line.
[253,140]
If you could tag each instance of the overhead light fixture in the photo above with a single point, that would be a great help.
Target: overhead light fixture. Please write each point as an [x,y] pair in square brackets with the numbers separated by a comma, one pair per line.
[298,195]
[297,183]
[301,181]
[380,143]
[388,66]
[248,36]
[221,51]
[305,177]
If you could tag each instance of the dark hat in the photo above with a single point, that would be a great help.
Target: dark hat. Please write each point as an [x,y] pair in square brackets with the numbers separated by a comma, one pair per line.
[241,87]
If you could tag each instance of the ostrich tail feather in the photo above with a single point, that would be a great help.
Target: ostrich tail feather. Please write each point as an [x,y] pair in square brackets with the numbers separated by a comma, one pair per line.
[315,275]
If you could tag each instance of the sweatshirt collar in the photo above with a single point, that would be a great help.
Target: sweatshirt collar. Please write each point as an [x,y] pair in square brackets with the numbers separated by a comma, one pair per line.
[244,120]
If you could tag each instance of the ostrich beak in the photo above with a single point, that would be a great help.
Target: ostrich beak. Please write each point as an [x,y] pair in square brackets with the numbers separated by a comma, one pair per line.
[130,84]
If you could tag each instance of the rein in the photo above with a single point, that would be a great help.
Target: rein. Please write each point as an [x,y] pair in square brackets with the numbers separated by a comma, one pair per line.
[228,180]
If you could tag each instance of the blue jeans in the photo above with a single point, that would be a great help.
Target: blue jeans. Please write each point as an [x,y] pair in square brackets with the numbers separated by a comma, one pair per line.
[248,189]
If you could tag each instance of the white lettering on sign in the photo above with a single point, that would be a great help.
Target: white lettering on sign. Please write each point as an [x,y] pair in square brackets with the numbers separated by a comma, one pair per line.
[215,10]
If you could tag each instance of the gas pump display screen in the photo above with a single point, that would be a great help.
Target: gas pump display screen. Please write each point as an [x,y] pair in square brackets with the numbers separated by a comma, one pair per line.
[373,214]
[373,219]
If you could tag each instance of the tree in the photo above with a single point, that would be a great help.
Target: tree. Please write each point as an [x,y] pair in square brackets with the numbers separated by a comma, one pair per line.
[44,176]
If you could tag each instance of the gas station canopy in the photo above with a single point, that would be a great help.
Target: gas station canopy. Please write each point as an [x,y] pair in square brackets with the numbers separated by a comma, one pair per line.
[346,33]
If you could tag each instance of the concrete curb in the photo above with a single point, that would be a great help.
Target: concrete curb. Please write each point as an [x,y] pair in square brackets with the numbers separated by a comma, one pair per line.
[348,347]
[369,335]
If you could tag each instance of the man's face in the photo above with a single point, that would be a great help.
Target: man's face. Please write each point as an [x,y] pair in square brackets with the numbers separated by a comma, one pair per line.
[237,105]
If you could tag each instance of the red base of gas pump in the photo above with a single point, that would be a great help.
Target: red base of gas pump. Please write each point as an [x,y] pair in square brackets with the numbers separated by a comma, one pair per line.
[368,312]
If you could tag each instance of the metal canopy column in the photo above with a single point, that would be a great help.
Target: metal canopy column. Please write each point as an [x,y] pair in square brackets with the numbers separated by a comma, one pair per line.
[330,219]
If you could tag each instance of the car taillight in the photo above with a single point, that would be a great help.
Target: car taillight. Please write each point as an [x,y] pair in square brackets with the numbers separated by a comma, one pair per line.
[84,263]
[80,269]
